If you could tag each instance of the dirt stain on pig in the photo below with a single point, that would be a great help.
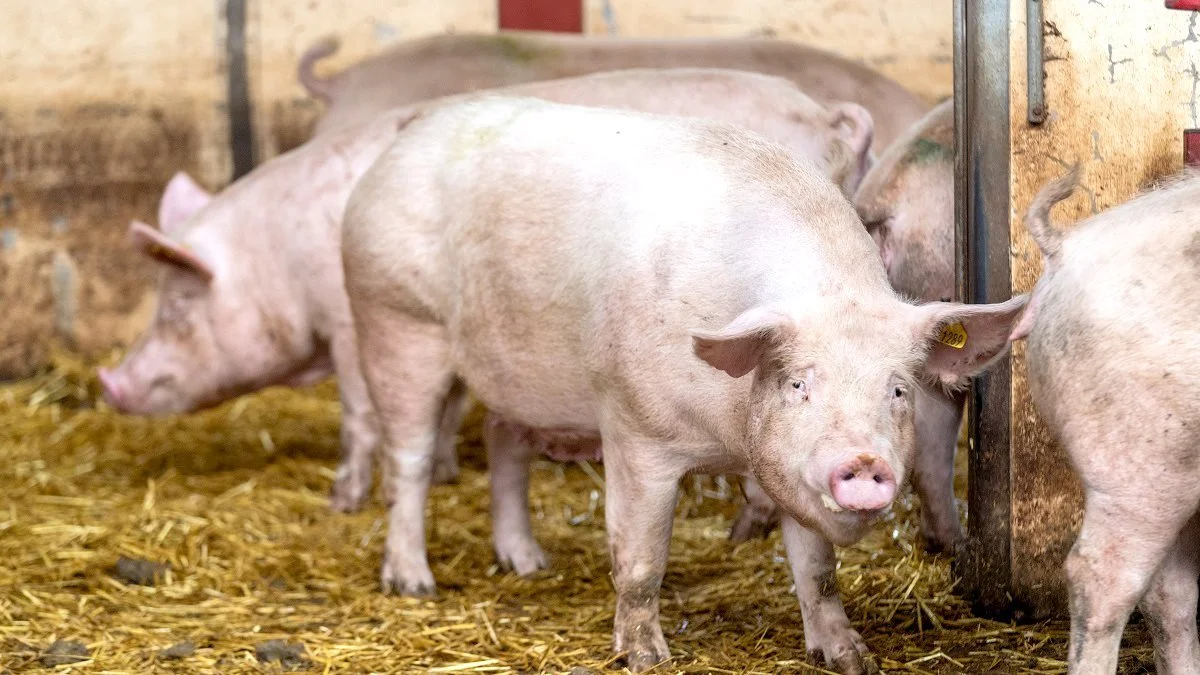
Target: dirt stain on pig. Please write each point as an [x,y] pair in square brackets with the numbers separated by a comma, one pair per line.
[519,50]
[928,151]
[1192,251]
[827,586]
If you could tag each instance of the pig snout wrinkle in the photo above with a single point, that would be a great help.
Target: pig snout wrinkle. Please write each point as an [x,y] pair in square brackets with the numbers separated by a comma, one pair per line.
[863,483]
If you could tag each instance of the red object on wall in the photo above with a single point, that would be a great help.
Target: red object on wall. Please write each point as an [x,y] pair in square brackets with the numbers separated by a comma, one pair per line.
[1191,147]
[1189,5]
[562,16]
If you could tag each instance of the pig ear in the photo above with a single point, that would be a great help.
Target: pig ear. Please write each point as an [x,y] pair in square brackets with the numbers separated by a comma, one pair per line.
[965,339]
[180,201]
[739,347]
[854,127]
[1028,318]
[160,247]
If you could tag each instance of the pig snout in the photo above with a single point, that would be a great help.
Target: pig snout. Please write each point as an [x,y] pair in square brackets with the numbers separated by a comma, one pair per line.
[113,388]
[864,482]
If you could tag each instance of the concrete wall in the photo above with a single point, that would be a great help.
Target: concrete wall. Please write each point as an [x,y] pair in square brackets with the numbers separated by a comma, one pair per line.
[911,41]
[1121,88]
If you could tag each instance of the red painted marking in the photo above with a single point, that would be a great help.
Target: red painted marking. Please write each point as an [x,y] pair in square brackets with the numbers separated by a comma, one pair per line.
[562,16]
[1188,5]
[1191,147]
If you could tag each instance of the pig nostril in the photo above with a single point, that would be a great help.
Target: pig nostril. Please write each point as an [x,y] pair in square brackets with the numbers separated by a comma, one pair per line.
[879,479]
[848,476]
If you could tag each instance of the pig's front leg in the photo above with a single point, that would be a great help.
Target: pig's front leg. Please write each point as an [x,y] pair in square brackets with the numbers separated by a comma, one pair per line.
[827,630]
[757,517]
[938,420]
[640,498]
[512,532]
[1170,606]
[360,427]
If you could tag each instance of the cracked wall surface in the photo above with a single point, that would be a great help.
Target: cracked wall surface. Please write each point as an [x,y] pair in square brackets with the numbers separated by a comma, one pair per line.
[911,41]
[1121,86]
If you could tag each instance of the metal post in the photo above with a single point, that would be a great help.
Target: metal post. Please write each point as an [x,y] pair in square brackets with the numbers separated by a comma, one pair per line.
[982,228]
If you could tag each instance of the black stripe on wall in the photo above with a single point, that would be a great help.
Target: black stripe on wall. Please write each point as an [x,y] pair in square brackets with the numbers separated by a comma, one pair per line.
[241,127]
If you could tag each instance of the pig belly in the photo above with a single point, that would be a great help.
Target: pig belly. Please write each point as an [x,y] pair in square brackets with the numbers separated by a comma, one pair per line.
[531,400]
[559,444]
[527,366]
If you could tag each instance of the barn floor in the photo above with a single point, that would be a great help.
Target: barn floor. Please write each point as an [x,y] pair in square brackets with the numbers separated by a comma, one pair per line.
[234,500]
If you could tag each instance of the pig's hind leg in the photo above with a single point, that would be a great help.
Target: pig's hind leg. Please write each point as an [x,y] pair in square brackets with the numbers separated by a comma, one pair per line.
[1169,606]
[360,426]
[445,460]
[407,369]
[938,421]
[512,531]
[757,517]
[1125,538]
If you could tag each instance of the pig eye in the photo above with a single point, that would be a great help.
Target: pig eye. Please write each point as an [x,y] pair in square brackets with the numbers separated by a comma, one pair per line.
[899,391]
[801,388]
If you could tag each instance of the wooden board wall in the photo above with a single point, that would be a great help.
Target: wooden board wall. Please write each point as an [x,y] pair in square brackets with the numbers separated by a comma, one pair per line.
[908,40]
[1121,86]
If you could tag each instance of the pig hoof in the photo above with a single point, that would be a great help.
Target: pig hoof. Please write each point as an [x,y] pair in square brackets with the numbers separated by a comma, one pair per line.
[943,542]
[524,560]
[940,534]
[418,585]
[643,645]
[848,658]
[445,473]
[350,488]
[346,498]
[644,652]
[936,545]
[752,524]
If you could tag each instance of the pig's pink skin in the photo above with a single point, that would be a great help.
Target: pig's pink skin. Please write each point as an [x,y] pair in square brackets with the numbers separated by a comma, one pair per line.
[689,292]
[252,296]
[907,204]
[444,65]
[1113,358]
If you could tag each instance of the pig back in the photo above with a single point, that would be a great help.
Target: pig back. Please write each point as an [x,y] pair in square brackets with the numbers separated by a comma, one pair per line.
[1115,349]
[446,65]
[525,227]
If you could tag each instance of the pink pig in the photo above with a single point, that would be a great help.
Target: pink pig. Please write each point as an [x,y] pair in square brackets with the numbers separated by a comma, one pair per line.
[1114,370]
[687,292]
[442,65]
[252,293]
[906,202]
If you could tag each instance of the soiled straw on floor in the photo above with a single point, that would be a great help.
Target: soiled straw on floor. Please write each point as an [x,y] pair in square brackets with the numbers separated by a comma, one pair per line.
[233,503]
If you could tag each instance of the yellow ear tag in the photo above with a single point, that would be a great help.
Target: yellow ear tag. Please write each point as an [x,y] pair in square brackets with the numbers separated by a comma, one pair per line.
[953,335]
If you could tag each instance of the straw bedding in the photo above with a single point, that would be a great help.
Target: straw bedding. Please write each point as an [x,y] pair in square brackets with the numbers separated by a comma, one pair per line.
[203,544]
